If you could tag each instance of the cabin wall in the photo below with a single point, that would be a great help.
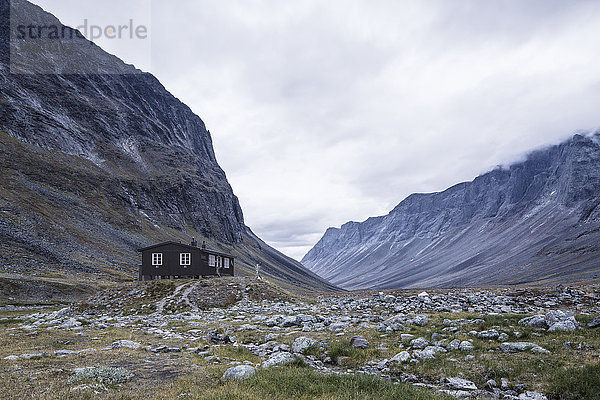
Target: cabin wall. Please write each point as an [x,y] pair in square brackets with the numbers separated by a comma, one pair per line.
[171,263]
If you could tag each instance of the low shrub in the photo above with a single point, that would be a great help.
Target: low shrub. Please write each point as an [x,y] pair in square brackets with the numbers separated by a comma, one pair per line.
[104,375]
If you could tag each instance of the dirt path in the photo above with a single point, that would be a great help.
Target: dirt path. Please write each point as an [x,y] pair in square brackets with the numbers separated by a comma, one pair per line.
[160,305]
[185,296]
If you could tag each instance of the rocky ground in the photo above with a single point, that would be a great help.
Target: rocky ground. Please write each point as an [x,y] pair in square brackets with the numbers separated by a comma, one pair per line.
[488,344]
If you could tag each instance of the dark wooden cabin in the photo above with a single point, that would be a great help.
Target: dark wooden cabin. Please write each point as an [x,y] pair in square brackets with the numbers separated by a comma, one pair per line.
[177,260]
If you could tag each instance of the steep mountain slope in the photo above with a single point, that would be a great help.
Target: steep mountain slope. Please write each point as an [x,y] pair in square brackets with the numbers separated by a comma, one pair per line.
[95,165]
[537,221]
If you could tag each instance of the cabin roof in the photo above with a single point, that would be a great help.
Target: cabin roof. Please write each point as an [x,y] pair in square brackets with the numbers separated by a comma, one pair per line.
[187,246]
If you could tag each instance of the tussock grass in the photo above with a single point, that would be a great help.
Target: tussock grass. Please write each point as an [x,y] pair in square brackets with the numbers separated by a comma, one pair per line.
[343,354]
[304,384]
[576,383]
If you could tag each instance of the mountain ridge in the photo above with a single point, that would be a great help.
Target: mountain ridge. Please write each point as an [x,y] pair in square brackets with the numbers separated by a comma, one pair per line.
[96,165]
[419,242]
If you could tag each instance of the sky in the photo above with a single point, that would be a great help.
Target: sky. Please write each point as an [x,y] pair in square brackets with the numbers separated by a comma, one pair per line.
[327,111]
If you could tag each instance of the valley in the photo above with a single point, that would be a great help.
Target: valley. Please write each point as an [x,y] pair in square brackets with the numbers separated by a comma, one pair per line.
[247,339]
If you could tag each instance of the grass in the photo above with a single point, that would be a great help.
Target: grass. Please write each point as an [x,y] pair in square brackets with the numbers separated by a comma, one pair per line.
[304,384]
[540,371]
[576,383]
[343,354]
[570,371]
[237,353]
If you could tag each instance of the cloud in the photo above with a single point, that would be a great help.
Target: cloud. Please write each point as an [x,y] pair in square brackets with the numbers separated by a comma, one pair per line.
[328,111]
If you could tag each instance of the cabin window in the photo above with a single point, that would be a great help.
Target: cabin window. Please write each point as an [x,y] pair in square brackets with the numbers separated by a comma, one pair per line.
[185,259]
[226,263]
[157,259]
[211,260]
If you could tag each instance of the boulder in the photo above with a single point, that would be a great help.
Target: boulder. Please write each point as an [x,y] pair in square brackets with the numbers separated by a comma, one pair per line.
[424,354]
[389,298]
[466,346]
[289,321]
[120,344]
[594,323]
[520,347]
[34,356]
[239,372]
[218,338]
[555,316]
[489,334]
[428,352]
[566,325]
[336,327]
[537,321]
[359,342]
[419,320]
[460,384]
[453,345]
[301,344]
[62,353]
[419,343]
[70,324]
[63,312]
[401,357]
[532,396]
[280,358]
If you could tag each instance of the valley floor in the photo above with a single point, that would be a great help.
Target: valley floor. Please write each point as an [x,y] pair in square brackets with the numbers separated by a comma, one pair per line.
[177,339]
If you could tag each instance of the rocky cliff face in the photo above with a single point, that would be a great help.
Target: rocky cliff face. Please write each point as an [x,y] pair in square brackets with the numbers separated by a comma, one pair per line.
[95,165]
[537,221]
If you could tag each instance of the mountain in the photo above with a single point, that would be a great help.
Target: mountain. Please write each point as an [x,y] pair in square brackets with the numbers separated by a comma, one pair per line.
[99,163]
[537,221]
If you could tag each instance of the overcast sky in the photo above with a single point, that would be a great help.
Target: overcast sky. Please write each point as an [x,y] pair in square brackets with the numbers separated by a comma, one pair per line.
[334,110]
